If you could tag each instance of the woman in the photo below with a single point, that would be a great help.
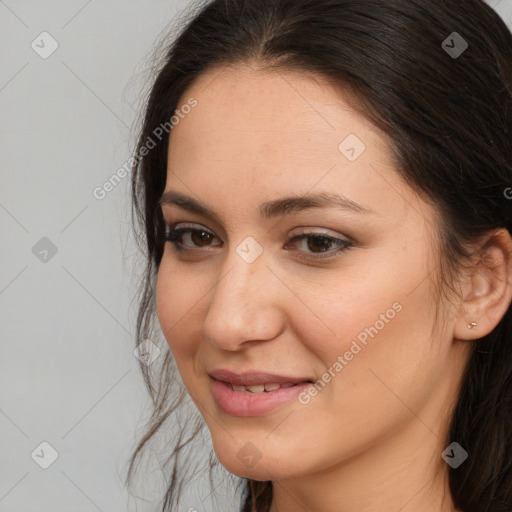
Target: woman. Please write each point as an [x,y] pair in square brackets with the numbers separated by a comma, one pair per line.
[327,218]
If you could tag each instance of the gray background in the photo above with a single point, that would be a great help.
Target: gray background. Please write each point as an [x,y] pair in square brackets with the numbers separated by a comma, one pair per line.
[68,373]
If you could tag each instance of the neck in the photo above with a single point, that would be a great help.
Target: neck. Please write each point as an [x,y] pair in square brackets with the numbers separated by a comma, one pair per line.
[405,473]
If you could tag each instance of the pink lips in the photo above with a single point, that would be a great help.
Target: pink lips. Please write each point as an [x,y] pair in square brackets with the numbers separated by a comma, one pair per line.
[246,403]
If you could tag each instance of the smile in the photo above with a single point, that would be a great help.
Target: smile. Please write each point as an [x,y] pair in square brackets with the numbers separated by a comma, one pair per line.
[260,388]
[253,394]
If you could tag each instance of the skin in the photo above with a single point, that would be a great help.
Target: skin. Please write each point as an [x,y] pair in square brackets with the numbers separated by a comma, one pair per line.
[372,438]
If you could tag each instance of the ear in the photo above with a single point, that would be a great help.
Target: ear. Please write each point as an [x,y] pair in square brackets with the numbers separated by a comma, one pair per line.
[487,293]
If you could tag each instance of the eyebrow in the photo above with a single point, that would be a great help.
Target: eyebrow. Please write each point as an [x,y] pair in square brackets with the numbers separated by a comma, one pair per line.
[270,209]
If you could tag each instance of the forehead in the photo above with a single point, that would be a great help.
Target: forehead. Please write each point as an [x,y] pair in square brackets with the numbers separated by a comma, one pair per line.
[268,109]
[264,134]
[252,115]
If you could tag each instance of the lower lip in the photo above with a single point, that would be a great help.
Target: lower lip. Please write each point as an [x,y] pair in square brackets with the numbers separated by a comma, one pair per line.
[241,403]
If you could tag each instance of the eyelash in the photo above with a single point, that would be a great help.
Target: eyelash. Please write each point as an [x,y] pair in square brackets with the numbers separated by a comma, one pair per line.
[174,235]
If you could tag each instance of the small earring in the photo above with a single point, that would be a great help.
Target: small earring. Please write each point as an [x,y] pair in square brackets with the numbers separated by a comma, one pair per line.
[472,325]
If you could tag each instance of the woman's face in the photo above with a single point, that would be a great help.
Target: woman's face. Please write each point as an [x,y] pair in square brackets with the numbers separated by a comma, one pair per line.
[251,300]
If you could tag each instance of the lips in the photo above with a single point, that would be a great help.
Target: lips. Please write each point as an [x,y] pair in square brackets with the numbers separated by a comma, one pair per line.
[256,382]
[261,388]
[247,403]
[254,393]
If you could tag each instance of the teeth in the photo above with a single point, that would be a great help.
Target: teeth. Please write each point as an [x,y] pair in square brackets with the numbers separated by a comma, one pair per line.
[260,388]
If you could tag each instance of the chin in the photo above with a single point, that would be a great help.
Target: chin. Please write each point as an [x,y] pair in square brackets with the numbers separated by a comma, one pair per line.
[258,472]
[249,462]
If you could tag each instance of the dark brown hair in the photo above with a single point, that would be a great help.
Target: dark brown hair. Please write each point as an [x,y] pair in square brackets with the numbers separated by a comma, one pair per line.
[449,120]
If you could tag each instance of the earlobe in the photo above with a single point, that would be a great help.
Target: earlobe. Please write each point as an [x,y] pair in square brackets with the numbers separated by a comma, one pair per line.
[488,293]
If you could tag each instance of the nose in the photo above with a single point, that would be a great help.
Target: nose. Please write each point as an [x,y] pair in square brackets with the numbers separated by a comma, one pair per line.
[245,304]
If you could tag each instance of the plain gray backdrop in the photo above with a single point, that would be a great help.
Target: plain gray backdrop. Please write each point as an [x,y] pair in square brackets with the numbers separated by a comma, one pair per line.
[69,94]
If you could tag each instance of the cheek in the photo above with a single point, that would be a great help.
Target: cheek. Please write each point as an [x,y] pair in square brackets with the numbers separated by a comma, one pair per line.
[333,311]
[379,319]
[176,303]
[382,348]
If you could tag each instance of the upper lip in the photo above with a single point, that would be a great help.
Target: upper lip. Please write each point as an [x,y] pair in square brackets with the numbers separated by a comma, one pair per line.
[253,378]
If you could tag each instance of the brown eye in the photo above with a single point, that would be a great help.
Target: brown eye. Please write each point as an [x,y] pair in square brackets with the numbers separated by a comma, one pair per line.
[189,238]
[200,238]
[319,243]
